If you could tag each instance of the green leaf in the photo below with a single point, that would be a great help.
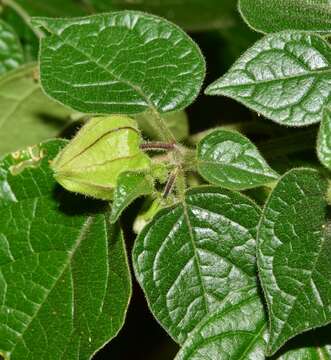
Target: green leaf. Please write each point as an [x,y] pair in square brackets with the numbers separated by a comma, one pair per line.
[11,53]
[177,123]
[147,63]
[64,278]
[211,234]
[229,159]
[285,77]
[27,116]
[294,251]
[275,15]
[191,15]
[324,139]
[238,330]
[129,187]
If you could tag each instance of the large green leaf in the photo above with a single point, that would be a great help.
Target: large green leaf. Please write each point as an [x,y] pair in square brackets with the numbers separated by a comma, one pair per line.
[27,116]
[294,251]
[64,278]
[192,15]
[324,139]
[238,331]
[285,76]
[122,62]
[211,236]
[11,52]
[276,15]
[229,159]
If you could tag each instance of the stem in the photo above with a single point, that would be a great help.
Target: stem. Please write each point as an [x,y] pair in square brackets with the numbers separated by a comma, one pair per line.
[23,14]
[181,184]
[161,128]
[170,183]
[157,145]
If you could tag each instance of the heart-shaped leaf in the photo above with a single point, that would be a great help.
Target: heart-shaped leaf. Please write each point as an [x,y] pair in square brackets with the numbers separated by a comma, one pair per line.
[27,115]
[276,15]
[284,76]
[129,187]
[294,251]
[229,159]
[64,278]
[211,234]
[238,330]
[122,62]
[324,139]
[11,52]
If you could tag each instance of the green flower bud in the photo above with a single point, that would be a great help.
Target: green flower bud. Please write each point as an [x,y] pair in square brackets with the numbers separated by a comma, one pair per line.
[103,149]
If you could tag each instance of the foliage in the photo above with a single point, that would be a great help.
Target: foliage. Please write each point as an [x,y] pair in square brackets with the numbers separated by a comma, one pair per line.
[107,132]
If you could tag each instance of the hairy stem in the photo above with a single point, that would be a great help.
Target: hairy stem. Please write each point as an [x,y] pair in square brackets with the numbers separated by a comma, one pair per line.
[161,128]
[157,145]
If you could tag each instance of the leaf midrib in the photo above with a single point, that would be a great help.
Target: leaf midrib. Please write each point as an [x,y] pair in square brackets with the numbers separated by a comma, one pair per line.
[196,257]
[236,167]
[259,82]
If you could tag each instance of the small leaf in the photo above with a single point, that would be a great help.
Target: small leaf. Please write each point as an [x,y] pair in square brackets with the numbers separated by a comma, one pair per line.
[147,62]
[11,52]
[238,331]
[276,15]
[324,139]
[64,277]
[211,234]
[129,187]
[202,15]
[285,76]
[294,251]
[229,159]
[101,150]
[27,115]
